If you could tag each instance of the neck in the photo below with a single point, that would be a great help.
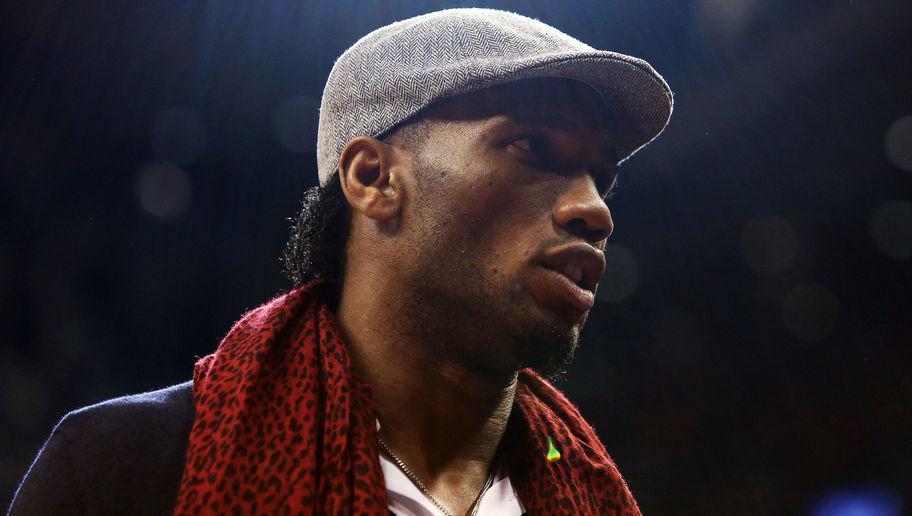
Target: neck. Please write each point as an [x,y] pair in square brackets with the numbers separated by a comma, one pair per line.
[442,419]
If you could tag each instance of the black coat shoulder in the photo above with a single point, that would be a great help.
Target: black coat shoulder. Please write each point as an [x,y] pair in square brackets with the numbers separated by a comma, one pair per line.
[121,456]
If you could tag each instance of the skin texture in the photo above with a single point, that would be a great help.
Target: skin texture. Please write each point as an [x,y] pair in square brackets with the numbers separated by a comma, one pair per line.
[445,297]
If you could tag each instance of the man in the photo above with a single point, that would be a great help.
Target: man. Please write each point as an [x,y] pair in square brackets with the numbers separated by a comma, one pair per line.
[446,262]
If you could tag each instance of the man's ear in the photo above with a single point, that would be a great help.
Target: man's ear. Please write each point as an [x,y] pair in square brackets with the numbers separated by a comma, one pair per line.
[369,177]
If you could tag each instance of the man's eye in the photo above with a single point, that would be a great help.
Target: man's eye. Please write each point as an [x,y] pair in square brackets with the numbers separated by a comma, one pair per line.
[533,145]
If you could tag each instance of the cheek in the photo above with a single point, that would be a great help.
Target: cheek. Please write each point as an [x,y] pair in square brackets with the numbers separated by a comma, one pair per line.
[506,196]
[507,224]
[491,215]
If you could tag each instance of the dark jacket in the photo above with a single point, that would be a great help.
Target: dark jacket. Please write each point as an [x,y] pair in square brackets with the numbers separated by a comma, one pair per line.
[121,456]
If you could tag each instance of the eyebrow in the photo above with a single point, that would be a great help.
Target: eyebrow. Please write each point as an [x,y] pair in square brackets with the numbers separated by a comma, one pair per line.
[559,121]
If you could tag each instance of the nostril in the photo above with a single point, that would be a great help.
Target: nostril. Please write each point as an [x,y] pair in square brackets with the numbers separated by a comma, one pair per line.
[598,235]
[578,227]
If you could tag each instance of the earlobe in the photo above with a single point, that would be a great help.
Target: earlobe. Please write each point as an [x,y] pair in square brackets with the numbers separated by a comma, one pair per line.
[367,172]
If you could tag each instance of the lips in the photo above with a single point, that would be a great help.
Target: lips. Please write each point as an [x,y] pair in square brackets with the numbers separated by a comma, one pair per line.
[564,280]
[572,271]
[580,263]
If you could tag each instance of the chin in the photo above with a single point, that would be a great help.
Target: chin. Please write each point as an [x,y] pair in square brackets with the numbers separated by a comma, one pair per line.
[544,344]
[495,327]
[550,348]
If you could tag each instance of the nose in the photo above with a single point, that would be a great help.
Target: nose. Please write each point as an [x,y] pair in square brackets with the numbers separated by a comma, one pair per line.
[582,212]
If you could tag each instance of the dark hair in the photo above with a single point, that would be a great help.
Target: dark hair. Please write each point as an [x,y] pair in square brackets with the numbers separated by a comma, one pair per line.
[319,233]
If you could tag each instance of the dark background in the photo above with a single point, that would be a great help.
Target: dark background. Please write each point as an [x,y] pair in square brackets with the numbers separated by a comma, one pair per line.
[750,353]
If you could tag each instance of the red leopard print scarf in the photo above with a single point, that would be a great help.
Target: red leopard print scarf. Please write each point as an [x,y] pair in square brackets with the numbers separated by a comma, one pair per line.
[283,426]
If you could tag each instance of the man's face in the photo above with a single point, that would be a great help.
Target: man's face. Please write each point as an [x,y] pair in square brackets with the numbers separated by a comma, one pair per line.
[507,222]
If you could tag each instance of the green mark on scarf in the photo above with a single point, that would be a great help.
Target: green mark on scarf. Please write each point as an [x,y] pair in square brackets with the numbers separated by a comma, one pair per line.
[553,453]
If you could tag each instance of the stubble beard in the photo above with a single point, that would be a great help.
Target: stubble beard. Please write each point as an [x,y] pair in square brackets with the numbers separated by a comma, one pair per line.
[491,325]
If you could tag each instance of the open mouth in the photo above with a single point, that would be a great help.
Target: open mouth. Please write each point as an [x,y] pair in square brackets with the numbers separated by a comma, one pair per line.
[572,272]
[567,278]
[563,290]
[581,264]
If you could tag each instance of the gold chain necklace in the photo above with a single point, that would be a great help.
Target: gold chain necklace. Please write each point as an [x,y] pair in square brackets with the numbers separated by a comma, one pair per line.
[423,488]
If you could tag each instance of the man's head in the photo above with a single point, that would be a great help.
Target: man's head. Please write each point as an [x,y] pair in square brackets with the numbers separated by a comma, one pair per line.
[485,208]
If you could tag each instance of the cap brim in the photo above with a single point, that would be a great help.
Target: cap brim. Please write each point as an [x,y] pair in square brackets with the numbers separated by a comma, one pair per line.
[637,97]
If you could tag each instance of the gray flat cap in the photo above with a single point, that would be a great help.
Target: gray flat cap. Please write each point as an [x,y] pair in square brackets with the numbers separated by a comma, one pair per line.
[396,71]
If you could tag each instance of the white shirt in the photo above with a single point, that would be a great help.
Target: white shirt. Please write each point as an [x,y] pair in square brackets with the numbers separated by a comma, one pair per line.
[405,499]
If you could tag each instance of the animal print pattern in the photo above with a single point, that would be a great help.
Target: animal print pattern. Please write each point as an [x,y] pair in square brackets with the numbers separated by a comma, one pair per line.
[584,480]
[283,426]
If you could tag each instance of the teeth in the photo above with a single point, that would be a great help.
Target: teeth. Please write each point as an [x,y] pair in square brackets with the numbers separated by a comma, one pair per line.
[574,272]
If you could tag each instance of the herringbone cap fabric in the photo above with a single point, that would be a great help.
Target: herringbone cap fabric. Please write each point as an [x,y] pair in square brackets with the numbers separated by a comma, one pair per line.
[396,71]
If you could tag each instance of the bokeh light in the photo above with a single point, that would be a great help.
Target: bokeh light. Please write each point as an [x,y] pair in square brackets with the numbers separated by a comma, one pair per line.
[769,244]
[295,123]
[621,275]
[898,143]
[891,229]
[862,502]
[724,19]
[179,135]
[163,189]
[809,312]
